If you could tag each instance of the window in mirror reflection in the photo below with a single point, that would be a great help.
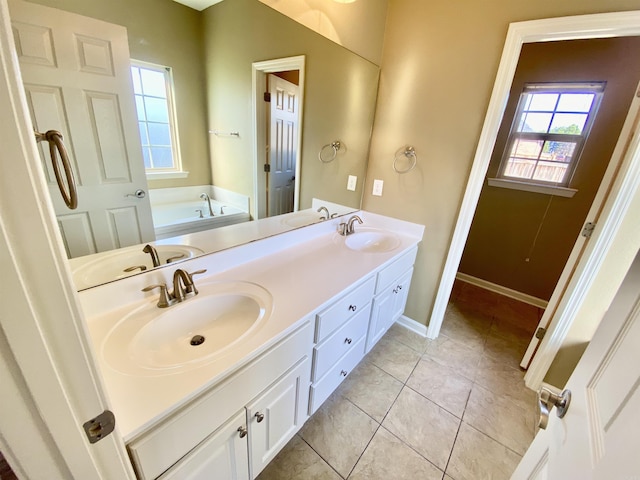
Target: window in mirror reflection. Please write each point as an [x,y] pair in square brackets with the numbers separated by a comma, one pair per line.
[153,90]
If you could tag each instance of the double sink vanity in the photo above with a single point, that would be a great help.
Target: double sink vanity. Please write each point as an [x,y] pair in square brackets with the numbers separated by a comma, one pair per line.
[213,386]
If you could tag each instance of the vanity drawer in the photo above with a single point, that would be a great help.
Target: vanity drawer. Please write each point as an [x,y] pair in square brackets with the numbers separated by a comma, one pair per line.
[161,447]
[339,343]
[352,302]
[321,390]
[397,268]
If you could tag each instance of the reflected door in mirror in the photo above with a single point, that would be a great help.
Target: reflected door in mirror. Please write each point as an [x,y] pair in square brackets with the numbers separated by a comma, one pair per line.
[76,78]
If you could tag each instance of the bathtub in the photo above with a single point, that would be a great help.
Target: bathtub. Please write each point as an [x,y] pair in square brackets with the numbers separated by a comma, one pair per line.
[180,218]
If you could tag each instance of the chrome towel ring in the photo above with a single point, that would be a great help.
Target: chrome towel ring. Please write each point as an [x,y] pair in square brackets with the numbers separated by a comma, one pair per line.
[54,138]
[408,153]
[335,146]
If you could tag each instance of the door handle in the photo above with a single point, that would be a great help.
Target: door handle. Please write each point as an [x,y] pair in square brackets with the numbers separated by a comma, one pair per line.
[549,397]
[138,194]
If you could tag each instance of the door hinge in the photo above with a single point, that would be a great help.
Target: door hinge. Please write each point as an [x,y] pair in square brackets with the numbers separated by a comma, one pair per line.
[99,427]
[267,167]
[588,229]
[540,333]
[267,96]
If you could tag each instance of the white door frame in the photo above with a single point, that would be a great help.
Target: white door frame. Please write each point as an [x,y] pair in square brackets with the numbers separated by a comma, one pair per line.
[628,180]
[259,72]
[50,360]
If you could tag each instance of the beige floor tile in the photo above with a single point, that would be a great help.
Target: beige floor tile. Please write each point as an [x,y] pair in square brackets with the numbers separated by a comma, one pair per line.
[371,389]
[387,458]
[394,358]
[505,350]
[502,379]
[514,333]
[477,457]
[339,432]
[516,312]
[455,355]
[441,385]
[298,461]
[423,425]
[465,326]
[404,335]
[500,418]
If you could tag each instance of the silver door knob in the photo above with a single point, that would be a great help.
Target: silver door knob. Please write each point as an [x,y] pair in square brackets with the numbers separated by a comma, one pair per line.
[549,397]
[242,431]
[259,416]
[138,194]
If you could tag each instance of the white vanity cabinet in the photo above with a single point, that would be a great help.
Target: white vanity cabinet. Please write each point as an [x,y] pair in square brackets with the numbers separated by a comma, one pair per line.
[392,288]
[209,433]
[341,331]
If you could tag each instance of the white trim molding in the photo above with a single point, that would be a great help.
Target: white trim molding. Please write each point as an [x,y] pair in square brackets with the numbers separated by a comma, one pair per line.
[555,29]
[532,187]
[412,325]
[505,291]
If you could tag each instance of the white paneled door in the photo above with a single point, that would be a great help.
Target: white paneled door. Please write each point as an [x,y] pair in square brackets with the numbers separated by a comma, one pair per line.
[77,80]
[283,145]
[599,437]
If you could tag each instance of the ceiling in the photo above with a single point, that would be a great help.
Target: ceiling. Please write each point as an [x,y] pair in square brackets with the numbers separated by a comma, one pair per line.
[198,4]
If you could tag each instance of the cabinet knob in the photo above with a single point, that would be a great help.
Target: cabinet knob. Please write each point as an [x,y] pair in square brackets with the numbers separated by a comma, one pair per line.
[352,308]
[259,416]
[348,340]
[343,373]
[243,431]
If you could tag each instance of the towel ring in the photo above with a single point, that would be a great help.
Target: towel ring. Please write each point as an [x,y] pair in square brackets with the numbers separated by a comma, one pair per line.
[408,152]
[335,146]
[54,138]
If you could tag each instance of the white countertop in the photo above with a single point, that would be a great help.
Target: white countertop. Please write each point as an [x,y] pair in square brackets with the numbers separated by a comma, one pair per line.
[303,270]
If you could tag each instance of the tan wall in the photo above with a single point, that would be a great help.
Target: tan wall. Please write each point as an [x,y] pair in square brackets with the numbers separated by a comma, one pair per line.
[522,240]
[358,26]
[439,63]
[340,92]
[166,33]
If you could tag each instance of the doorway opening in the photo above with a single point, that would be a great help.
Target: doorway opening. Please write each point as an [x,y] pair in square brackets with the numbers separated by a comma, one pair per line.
[278,100]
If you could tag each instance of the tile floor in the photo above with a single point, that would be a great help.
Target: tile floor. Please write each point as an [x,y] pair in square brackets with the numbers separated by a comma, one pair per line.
[454,408]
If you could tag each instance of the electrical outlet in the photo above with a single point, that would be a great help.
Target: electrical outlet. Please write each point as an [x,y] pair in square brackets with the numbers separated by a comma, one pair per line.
[352,182]
[377,187]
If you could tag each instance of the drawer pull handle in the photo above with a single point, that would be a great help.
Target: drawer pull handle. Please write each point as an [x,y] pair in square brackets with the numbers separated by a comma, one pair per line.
[243,431]
[352,308]
[348,340]
[259,416]
[395,290]
[343,373]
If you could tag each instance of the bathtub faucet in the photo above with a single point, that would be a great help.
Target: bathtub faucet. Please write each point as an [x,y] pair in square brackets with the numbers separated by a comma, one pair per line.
[154,254]
[206,197]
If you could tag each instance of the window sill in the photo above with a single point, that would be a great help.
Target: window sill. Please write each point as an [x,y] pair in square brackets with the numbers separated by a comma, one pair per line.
[530,187]
[166,175]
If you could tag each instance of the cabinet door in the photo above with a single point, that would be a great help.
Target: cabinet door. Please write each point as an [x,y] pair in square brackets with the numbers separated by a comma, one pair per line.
[382,311]
[222,455]
[400,292]
[277,414]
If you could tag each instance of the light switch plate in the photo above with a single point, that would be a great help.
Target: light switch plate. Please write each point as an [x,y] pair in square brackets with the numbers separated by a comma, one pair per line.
[352,182]
[377,187]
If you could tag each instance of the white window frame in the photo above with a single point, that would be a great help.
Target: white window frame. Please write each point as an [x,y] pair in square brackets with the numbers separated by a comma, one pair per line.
[176,171]
[536,185]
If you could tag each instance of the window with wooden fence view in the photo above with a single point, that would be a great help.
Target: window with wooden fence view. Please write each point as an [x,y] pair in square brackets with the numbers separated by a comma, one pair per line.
[549,132]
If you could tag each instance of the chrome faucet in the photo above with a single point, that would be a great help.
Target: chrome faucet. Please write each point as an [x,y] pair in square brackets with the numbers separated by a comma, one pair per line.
[206,197]
[148,248]
[183,287]
[325,209]
[348,228]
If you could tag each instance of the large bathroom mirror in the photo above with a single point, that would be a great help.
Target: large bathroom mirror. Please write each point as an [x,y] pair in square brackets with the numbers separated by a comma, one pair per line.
[212,56]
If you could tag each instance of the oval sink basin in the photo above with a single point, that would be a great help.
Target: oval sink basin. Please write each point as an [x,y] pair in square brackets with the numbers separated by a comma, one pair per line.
[162,341]
[371,240]
[104,267]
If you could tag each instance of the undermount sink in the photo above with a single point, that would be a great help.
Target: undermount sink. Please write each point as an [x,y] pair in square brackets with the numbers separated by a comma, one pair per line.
[105,267]
[151,341]
[371,240]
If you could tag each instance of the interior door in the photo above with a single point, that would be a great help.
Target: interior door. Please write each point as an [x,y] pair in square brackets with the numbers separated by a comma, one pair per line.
[77,80]
[283,145]
[599,435]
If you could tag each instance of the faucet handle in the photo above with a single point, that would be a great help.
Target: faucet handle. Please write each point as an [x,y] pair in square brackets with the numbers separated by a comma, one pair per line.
[164,300]
[135,267]
[190,286]
[177,257]
[342,229]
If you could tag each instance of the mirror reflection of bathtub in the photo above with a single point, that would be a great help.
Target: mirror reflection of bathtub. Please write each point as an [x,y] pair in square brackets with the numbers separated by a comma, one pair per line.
[182,210]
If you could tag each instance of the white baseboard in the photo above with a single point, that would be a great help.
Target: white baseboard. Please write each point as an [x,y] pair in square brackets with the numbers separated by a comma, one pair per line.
[412,325]
[507,292]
